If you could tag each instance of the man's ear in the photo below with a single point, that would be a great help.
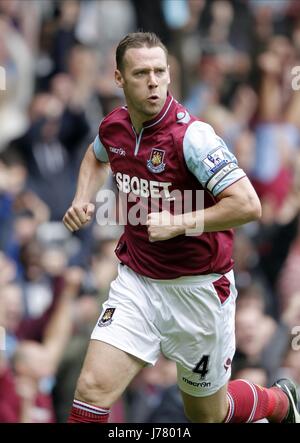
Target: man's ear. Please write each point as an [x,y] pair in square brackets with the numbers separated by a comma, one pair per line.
[169,79]
[119,78]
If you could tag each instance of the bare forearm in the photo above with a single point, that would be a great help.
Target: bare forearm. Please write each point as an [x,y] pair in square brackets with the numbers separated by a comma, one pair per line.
[58,331]
[237,204]
[60,326]
[225,214]
[92,176]
[270,99]
[26,411]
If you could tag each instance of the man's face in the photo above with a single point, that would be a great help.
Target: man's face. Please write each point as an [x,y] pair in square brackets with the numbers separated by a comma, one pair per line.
[144,79]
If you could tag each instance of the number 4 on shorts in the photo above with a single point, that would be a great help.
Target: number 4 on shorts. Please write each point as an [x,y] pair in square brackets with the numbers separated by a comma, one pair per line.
[202,367]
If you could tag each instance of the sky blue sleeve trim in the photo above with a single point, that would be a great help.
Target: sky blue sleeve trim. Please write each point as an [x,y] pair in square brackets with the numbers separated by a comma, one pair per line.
[231,178]
[100,151]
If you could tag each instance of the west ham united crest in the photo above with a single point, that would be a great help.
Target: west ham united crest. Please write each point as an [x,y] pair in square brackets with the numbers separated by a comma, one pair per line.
[106,318]
[155,162]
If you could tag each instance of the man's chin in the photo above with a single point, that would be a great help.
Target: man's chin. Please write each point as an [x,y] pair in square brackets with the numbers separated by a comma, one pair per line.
[153,109]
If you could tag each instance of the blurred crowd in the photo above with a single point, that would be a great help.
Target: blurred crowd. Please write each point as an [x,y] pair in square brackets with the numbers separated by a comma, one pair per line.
[231,64]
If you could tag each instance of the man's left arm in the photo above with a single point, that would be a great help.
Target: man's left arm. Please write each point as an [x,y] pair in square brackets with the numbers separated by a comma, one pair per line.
[237,203]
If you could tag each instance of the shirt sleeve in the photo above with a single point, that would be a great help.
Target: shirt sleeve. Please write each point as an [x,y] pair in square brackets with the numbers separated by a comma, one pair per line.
[100,151]
[209,159]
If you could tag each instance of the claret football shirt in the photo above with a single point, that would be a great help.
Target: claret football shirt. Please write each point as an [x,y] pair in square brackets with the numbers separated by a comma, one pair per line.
[174,156]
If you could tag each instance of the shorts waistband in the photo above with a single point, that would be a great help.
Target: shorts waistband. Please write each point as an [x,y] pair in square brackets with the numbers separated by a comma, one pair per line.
[185,280]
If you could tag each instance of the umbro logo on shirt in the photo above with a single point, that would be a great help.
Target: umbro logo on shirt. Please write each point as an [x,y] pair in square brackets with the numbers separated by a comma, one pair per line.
[118,151]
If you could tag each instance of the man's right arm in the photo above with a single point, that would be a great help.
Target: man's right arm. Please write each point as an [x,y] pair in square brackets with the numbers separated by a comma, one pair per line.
[92,175]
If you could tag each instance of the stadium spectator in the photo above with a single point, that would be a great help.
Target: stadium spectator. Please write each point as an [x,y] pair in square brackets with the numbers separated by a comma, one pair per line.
[26,380]
[154,397]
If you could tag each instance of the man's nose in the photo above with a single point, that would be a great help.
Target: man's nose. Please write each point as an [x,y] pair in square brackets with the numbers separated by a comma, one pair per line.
[152,82]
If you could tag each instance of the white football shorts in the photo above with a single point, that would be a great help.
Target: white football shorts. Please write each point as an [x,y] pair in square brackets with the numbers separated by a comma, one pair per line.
[191,320]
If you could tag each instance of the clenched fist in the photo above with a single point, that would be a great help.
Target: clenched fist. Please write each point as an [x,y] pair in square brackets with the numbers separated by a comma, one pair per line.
[78,215]
[162,226]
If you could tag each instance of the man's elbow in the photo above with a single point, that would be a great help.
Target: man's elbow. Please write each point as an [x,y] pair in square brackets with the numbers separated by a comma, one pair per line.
[253,210]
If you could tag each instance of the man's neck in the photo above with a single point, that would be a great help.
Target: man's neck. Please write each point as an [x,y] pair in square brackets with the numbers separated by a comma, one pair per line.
[137,124]
[138,120]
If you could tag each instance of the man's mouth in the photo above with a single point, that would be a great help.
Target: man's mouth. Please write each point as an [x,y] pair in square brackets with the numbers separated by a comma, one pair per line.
[153,98]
